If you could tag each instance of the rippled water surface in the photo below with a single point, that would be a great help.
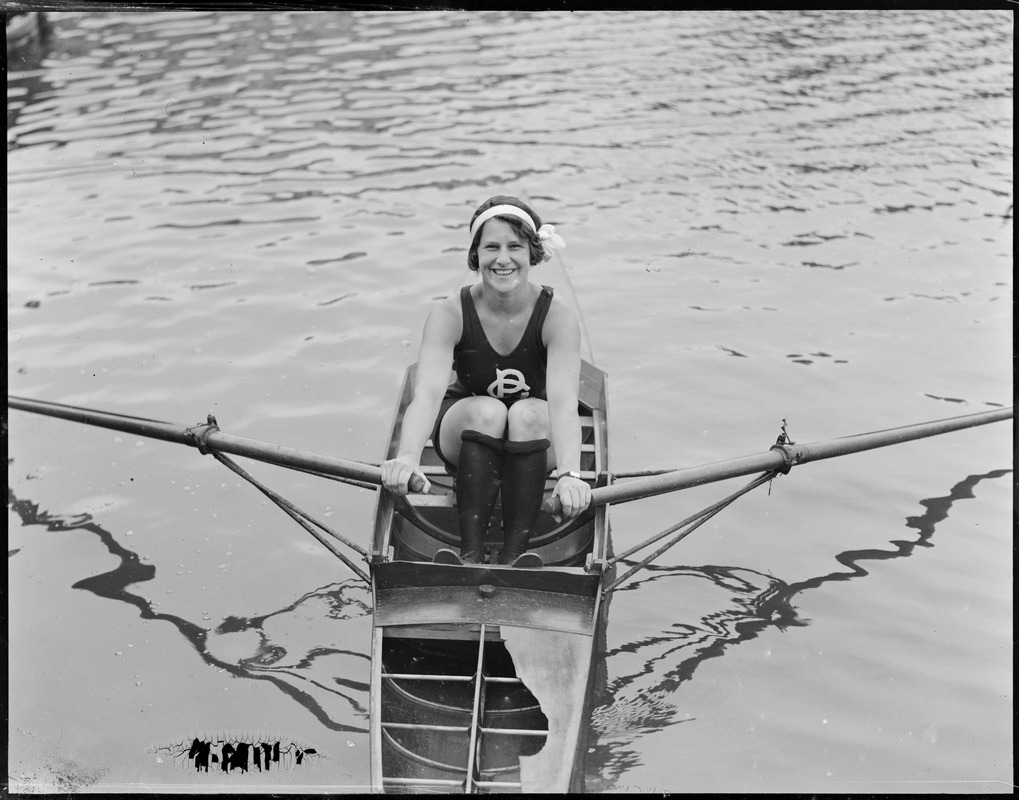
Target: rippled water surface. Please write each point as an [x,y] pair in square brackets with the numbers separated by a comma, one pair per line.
[799,215]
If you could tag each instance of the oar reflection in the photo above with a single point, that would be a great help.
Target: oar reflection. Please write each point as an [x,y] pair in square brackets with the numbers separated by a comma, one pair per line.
[736,605]
[272,647]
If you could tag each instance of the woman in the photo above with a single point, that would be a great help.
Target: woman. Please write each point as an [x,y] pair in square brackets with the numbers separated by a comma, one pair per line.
[510,416]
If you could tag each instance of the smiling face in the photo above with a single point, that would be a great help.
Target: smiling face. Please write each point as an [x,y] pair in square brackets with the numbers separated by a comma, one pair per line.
[504,257]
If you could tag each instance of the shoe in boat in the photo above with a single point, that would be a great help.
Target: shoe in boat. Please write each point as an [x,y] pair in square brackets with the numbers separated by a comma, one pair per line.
[447,556]
[528,561]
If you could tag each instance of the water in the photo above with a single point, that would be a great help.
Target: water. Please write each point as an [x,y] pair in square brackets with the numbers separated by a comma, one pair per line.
[797,215]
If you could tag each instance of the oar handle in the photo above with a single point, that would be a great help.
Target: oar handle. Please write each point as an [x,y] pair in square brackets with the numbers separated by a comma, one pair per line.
[552,506]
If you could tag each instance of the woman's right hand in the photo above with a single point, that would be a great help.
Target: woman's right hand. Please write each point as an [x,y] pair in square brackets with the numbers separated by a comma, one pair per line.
[398,476]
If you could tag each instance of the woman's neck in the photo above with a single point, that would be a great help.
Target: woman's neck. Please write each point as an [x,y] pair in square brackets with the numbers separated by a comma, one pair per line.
[509,304]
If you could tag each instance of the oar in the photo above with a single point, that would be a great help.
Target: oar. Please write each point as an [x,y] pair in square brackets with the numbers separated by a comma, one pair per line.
[208,437]
[780,457]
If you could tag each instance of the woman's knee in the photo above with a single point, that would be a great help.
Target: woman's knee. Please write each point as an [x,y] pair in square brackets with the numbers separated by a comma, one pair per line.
[528,419]
[486,415]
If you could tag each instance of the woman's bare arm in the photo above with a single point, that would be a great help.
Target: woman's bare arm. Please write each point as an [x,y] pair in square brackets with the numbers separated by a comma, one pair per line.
[441,332]
[562,387]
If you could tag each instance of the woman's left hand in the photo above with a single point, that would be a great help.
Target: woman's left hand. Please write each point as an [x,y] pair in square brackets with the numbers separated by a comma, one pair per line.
[574,496]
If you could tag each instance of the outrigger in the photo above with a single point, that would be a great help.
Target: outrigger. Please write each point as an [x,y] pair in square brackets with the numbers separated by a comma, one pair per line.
[482,676]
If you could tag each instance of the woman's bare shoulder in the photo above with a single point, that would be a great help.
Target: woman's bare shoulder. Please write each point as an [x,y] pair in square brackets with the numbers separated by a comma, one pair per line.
[561,319]
[445,317]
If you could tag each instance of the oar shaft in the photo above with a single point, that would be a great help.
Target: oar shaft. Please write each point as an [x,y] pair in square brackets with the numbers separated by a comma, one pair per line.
[214,440]
[776,459]
[831,448]
[292,457]
[153,429]
[685,478]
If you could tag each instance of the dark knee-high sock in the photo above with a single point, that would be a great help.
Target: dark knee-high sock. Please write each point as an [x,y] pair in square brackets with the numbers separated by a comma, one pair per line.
[478,478]
[523,484]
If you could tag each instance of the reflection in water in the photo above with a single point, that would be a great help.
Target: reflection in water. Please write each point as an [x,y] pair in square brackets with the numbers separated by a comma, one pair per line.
[637,702]
[640,700]
[294,674]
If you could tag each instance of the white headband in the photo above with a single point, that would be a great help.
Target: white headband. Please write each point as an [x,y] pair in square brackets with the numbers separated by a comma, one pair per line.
[500,211]
[550,240]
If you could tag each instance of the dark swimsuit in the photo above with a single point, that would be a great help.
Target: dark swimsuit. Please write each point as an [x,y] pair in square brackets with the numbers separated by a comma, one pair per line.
[480,370]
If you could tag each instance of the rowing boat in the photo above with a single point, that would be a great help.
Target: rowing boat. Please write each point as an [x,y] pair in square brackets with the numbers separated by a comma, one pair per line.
[482,675]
